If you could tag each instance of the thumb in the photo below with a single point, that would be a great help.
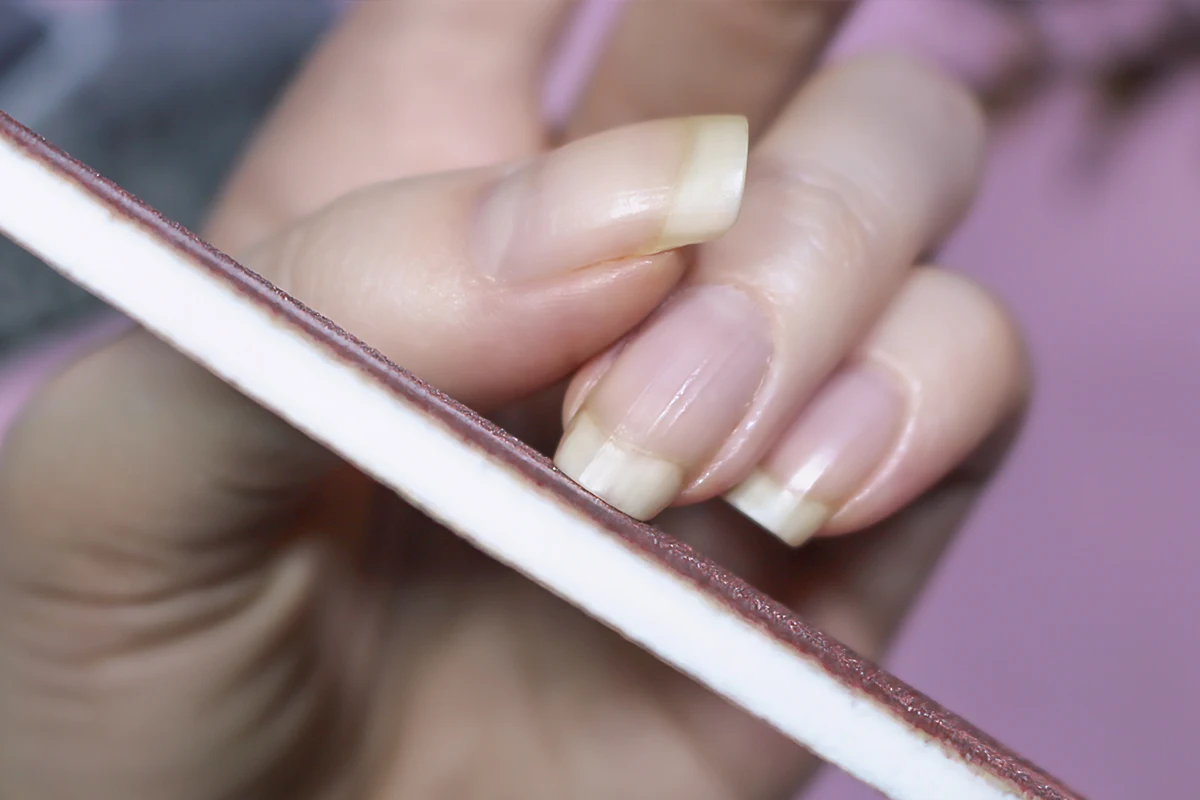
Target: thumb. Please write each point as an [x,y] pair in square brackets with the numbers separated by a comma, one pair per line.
[492,283]
[487,283]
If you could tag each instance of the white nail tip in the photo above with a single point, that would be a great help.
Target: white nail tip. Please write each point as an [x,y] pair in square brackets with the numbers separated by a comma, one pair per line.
[708,195]
[788,515]
[634,482]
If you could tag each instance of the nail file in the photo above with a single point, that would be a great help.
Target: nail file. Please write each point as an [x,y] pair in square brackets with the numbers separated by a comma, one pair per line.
[496,492]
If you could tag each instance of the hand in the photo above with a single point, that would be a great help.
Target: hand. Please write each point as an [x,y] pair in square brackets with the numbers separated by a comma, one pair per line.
[200,603]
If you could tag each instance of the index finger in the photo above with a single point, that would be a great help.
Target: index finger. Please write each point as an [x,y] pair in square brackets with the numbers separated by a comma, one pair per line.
[399,88]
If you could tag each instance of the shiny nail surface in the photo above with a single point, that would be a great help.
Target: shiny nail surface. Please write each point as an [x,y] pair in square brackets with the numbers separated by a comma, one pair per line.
[827,455]
[673,395]
[637,190]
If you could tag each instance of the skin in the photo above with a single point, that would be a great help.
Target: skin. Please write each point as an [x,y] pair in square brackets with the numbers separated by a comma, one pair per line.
[198,601]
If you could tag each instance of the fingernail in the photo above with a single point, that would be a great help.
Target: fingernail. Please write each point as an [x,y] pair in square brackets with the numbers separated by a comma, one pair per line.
[708,191]
[626,478]
[668,402]
[840,440]
[632,191]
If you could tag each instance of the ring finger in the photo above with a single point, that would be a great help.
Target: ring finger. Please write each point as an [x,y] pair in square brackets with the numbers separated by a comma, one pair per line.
[865,168]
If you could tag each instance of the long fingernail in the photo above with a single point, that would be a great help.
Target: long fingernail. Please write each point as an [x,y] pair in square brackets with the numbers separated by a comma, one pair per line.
[840,440]
[710,184]
[632,191]
[672,397]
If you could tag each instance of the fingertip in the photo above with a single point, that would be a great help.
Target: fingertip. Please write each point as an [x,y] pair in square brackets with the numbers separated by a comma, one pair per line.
[835,445]
[680,386]
[958,356]
[629,479]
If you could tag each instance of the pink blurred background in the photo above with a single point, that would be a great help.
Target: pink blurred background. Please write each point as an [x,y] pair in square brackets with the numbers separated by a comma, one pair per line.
[1060,620]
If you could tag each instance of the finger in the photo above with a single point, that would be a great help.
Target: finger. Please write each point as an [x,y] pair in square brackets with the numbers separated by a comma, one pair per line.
[942,370]
[488,283]
[670,57]
[401,87]
[870,164]
[859,588]
[559,246]
[856,588]
[675,57]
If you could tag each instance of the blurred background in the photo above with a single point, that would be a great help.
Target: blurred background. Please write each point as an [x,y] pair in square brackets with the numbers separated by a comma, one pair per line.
[1064,620]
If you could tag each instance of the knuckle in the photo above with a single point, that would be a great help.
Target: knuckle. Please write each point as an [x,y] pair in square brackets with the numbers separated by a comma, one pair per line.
[832,225]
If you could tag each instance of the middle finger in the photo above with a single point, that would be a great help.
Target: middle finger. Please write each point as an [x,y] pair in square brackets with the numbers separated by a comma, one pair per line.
[684,57]
[866,167]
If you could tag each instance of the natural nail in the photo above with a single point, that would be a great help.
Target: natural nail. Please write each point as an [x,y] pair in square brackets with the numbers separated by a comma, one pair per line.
[835,446]
[632,191]
[670,399]
[709,188]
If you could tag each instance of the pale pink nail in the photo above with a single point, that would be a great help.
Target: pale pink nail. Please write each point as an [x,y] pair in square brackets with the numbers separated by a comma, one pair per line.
[670,400]
[835,446]
[637,190]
